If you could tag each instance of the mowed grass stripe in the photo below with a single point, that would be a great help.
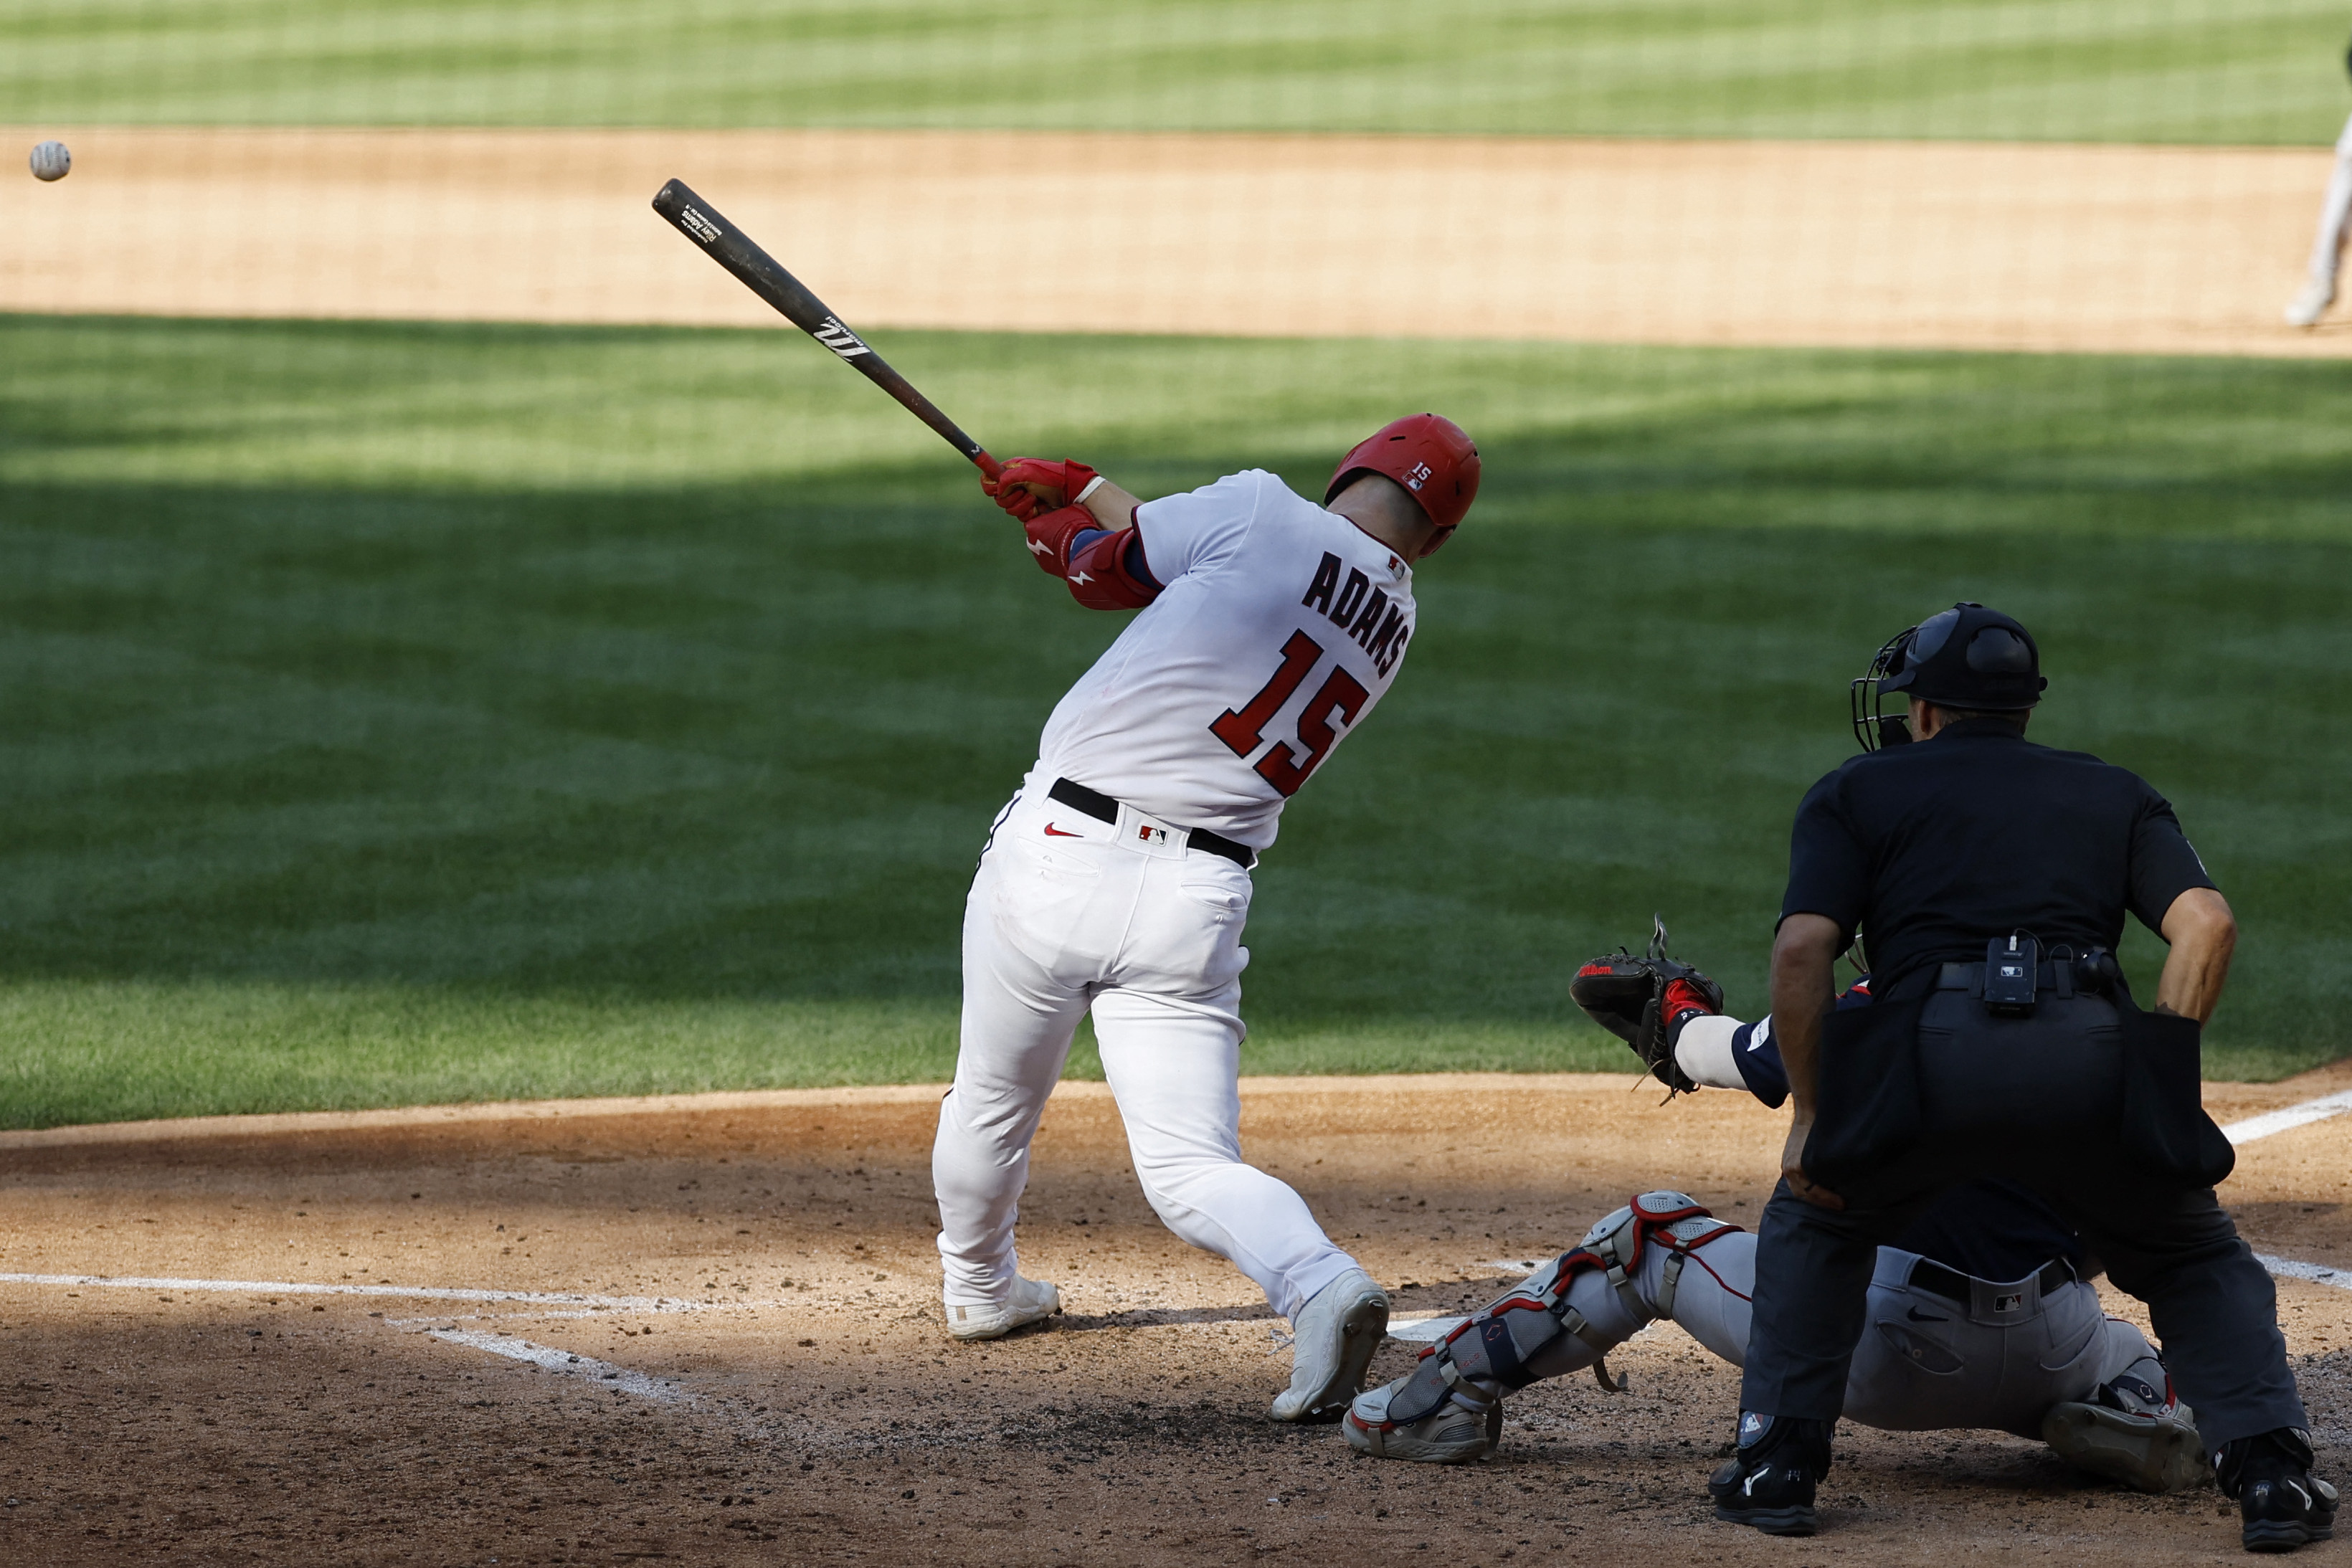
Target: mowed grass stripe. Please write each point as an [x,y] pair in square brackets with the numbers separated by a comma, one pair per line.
[351,766]
[2185,70]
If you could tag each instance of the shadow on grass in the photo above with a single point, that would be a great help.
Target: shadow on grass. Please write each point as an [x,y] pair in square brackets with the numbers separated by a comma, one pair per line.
[328,795]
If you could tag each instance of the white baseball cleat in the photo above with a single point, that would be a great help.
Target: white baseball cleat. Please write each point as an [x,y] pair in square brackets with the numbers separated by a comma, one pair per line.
[1453,1434]
[1332,1341]
[2306,307]
[2133,1434]
[1029,1301]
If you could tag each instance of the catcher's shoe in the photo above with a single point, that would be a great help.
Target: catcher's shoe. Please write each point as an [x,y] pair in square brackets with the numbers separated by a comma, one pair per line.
[1029,1301]
[1332,1341]
[2281,1504]
[2130,1431]
[1769,1485]
[1458,1431]
[2307,306]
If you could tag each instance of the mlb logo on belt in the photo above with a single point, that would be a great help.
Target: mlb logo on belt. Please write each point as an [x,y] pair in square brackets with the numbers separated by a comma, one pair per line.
[2008,1303]
[1150,834]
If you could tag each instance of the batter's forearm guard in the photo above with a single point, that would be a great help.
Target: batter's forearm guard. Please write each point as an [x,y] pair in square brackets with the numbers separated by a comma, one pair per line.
[1102,574]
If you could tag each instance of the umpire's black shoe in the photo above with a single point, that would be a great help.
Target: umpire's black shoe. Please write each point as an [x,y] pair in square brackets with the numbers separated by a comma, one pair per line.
[2283,1505]
[1768,1484]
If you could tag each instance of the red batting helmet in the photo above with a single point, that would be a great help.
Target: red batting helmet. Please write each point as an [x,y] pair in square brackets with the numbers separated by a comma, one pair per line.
[1433,459]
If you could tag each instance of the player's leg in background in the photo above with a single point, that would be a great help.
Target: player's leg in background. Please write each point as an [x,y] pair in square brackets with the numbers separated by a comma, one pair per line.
[1172,1062]
[1019,1015]
[2326,245]
[1170,1031]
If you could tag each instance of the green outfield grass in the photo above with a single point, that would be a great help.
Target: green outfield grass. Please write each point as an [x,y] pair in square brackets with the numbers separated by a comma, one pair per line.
[2131,71]
[402,713]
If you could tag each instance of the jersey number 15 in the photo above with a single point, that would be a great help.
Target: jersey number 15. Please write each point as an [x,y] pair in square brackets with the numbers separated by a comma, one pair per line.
[1243,728]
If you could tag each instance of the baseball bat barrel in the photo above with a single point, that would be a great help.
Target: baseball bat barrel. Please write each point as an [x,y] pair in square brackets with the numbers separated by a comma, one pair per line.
[733,249]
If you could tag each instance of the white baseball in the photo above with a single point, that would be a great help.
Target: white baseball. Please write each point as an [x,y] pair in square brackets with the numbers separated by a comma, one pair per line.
[50,160]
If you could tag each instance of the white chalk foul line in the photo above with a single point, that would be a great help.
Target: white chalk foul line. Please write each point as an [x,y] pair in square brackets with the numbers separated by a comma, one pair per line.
[1422,1331]
[2310,1110]
[2318,1273]
[602,1372]
[401,1292]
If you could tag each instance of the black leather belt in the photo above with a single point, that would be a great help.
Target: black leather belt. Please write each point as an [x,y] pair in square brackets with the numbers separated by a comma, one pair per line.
[1103,809]
[1927,1274]
[2062,976]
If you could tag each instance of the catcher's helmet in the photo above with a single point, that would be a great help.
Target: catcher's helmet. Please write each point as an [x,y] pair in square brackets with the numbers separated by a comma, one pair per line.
[1433,459]
[1965,657]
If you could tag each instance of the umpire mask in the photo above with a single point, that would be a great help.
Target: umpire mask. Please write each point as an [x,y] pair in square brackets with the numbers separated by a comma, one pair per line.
[1965,657]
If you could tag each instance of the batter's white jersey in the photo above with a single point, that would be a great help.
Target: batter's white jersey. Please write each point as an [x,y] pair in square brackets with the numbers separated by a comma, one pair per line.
[1279,627]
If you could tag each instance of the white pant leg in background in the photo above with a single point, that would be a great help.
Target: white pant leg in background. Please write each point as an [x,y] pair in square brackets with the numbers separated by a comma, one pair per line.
[1017,1023]
[1148,935]
[1172,1066]
[2328,244]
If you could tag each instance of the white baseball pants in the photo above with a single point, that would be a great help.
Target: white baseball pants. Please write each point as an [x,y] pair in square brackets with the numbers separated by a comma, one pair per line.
[1069,913]
[2335,208]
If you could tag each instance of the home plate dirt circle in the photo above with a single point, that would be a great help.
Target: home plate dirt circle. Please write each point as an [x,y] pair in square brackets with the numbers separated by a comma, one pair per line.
[706,1330]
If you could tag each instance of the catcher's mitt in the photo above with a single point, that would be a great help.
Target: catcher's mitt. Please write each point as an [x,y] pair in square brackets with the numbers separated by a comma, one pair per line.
[1625,993]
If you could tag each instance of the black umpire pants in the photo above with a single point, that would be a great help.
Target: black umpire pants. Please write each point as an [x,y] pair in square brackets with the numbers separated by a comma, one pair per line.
[2034,1099]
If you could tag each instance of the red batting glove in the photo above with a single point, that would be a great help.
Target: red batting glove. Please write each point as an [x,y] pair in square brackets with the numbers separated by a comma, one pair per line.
[1013,499]
[1031,485]
[1050,534]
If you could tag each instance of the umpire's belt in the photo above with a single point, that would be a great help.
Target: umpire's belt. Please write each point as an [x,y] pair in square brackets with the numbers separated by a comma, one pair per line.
[2065,976]
[1986,1300]
[1103,809]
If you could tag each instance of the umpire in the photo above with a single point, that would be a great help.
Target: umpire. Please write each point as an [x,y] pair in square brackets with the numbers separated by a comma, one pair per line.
[1988,878]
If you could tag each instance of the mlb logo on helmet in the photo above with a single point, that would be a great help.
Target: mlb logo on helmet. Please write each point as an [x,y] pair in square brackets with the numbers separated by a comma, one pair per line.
[1416,476]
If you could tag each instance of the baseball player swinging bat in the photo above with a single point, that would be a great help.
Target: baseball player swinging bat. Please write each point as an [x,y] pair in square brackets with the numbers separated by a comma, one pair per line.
[758,271]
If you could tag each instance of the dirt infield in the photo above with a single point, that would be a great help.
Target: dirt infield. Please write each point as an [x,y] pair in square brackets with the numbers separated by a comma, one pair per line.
[748,1284]
[1858,244]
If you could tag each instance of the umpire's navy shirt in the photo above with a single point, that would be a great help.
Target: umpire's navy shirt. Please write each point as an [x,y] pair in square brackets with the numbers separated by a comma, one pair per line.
[1932,850]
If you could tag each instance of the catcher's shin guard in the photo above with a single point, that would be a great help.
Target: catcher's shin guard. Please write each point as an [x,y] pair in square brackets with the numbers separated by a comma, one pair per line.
[1490,1352]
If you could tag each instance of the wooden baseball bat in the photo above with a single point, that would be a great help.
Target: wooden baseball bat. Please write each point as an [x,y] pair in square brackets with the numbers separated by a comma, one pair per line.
[758,271]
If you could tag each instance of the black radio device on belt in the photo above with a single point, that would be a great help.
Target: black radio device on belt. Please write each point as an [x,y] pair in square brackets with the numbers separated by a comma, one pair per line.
[2013,967]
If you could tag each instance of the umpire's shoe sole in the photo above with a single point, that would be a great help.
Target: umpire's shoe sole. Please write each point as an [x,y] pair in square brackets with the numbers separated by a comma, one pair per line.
[2300,1508]
[2276,1537]
[1795,1519]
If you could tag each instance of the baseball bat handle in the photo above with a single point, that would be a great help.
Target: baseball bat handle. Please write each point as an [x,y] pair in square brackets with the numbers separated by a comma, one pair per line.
[733,249]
